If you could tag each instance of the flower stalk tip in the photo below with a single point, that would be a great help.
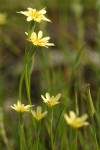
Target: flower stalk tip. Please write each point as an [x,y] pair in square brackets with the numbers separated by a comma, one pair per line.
[90,101]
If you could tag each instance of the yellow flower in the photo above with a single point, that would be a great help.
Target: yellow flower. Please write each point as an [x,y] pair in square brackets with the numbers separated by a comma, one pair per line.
[19,107]
[2,18]
[37,39]
[33,14]
[38,114]
[75,121]
[51,101]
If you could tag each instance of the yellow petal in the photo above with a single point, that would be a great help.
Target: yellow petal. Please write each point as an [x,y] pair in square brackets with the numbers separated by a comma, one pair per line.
[43,11]
[40,34]
[39,110]
[72,115]
[47,95]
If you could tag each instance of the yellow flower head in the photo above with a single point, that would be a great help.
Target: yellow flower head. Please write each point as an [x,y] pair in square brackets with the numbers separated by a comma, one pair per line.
[75,121]
[37,39]
[33,14]
[19,107]
[38,114]
[2,18]
[51,101]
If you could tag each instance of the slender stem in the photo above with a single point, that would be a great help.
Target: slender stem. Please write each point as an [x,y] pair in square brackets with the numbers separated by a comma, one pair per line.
[76,140]
[22,78]
[37,138]
[28,71]
[51,131]
[27,85]
[54,139]
[27,50]
[21,131]
[20,83]
[82,140]
[71,139]
[37,135]
[23,72]
[94,132]
[76,103]
[77,112]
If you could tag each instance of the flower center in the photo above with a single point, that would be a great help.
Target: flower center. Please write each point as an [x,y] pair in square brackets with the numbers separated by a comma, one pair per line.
[38,42]
[36,14]
[21,108]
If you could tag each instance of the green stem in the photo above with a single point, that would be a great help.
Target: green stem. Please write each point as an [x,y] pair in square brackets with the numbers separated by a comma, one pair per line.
[94,132]
[57,125]
[37,135]
[27,85]
[71,139]
[37,140]
[82,140]
[20,83]
[23,73]
[21,131]
[51,131]
[76,103]
[28,71]
[76,140]
[31,28]
[22,78]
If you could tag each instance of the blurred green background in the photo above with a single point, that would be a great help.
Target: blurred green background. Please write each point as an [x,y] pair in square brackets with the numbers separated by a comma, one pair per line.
[73,62]
[75,25]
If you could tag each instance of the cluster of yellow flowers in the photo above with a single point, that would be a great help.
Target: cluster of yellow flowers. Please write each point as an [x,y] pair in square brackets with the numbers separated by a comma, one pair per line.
[50,101]
[73,120]
[38,16]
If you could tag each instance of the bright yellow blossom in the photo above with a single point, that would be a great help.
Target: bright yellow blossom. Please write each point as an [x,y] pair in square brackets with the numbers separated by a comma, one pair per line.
[2,18]
[37,39]
[51,101]
[75,121]
[38,114]
[33,14]
[19,107]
